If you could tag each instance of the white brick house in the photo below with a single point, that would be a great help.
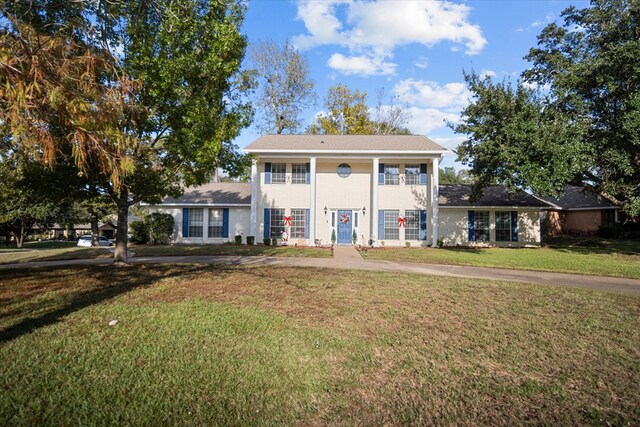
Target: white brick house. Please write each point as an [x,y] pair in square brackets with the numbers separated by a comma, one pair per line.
[383,188]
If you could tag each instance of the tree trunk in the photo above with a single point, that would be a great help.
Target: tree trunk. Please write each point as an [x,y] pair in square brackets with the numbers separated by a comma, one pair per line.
[20,235]
[94,230]
[120,254]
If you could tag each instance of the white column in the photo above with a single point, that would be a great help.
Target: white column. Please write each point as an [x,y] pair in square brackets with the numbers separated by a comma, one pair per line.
[254,200]
[374,198]
[312,202]
[434,202]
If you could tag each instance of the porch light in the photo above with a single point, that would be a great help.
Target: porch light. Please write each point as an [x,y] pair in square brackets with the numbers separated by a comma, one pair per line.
[364,210]
[325,211]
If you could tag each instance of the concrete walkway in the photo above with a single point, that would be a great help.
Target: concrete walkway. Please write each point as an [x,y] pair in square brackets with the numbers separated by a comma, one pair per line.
[346,257]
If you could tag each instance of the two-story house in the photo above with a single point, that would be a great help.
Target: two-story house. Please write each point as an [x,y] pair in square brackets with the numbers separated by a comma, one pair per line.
[352,187]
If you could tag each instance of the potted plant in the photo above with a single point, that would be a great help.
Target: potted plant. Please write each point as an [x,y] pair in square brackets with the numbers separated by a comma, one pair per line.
[354,237]
[333,236]
[267,241]
[251,240]
[238,240]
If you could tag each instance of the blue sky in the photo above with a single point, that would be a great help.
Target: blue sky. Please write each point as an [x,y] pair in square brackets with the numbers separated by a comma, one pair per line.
[415,50]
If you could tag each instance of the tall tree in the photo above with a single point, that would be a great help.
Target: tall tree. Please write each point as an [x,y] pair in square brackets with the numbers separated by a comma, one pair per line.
[148,94]
[590,78]
[347,113]
[284,86]
[449,175]
[390,118]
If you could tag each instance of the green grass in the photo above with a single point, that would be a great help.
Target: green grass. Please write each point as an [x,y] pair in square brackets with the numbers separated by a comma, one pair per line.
[619,260]
[69,250]
[226,249]
[201,345]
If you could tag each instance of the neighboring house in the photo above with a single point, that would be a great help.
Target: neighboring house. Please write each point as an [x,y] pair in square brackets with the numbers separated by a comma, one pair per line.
[376,187]
[579,212]
[497,218]
[59,232]
[211,213]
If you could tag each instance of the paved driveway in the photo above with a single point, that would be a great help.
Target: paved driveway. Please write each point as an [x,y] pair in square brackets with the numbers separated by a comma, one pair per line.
[347,258]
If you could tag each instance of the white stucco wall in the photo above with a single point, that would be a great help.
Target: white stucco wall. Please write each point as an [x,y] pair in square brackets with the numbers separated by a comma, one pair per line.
[454,227]
[239,223]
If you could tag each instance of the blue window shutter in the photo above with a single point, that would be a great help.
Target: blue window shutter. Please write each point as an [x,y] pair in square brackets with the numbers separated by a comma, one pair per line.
[185,222]
[423,225]
[225,222]
[381,174]
[423,173]
[514,226]
[267,222]
[380,224]
[308,165]
[306,223]
[472,231]
[267,173]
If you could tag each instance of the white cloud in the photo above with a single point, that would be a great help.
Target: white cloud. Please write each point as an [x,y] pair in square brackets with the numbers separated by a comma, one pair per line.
[426,120]
[487,73]
[361,65]
[422,62]
[537,23]
[450,143]
[377,27]
[450,96]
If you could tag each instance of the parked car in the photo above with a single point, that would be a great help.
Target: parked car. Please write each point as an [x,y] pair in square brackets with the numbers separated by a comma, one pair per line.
[86,241]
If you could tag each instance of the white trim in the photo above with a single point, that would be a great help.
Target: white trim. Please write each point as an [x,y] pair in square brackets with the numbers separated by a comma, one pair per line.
[386,153]
[312,204]
[590,209]
[255,177]
[434,202]
[374,199]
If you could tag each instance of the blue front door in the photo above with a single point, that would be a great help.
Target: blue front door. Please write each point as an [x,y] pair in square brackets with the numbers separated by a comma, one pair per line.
[344,227]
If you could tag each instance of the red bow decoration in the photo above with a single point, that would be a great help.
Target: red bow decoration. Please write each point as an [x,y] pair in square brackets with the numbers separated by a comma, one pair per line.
[402,221]
[287,220]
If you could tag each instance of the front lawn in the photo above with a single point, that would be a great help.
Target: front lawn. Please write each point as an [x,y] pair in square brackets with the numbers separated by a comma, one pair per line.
[211,345]
[614,260]
[71,251]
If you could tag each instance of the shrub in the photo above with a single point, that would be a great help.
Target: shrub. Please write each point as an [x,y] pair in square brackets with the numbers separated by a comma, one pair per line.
[354,237]
[160,227]
[610,231]
[407,244]
[251,240]
[267,241]
[139,232]
[274,242]
[333,236]
[440,242]
[238,240]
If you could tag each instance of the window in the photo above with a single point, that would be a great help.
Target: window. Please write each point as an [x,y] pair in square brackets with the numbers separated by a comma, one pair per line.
[278,173]
[196,222]
[412,226]
[299,173]
[391,231]
[216,223]
[298,223]
[412,174]
[507,226]
[480,226]
[391,174]
[503,226]
[276,220]
[344,170]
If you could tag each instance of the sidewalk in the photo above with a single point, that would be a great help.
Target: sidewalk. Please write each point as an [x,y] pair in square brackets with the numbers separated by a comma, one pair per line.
[346,257]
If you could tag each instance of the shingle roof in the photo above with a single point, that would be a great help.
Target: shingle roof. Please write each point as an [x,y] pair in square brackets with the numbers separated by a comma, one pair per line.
[344,143]
[576,197]
[215,193]
[459,195]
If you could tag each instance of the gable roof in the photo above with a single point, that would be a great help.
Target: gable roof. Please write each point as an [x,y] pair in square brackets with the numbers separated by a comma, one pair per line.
[497,195]
[214,193]
[576,197]
[343,143]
